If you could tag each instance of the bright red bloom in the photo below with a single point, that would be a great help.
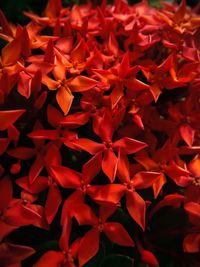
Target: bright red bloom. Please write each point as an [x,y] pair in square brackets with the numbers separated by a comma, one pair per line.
[104,128]
[99,104]
[113,230]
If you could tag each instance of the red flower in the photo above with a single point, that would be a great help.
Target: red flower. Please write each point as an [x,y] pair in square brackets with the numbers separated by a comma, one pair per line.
[112,193]
[104,128]
[113,230]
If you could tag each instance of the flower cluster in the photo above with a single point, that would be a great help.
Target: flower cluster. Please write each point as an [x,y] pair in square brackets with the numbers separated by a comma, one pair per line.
[100,134]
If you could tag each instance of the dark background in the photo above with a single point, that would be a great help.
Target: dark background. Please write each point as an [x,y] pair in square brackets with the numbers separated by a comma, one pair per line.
[13,9]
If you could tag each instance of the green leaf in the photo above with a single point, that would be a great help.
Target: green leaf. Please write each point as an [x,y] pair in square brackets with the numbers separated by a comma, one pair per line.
[142,264]
[154,3]
[49,245]
[117,261]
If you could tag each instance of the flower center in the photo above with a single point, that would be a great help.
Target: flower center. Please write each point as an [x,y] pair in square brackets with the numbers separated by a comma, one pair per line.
[100,226]
[130,186]
[196,181]
[108,144]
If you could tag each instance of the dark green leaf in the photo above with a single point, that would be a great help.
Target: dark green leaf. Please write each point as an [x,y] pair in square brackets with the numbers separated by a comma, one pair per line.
[117,261]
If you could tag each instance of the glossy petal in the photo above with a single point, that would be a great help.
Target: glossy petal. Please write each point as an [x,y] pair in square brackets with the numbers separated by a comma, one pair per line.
[6,191]
[8,117]
[51,207]
[36,187]
[191,243]
[89,246]
[36,168]
[129,145]
[136,207]
[117,234]
[91,168]
[10,253]
[50,258]
[88,145]
[187,133]
[66,177]
[81,84]
[144,180]
[111,193]
[109,164]
[84,215]
[64,98]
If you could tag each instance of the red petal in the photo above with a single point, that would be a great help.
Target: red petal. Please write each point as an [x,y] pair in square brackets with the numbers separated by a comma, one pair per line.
[113,46]
[104,127]
[84,215]
[44,134]
[5,229]
[144,180]
[79,52]
[53,156]
[193,210]
[149,258]
[11,52]
[24,84]
[191,243]
[49,53]
[129,145]
[76,119]
[64,98]
[21,215]
[88,145]
[166,65]
[111,193]
[135,85]
[106,211]
[25,43]
[64,239]
[50,83]
[89,246]
[194,166]
[123,168]
[5,25]
[77,197]
[36,84]
[21,153]
[158,184]
[51,259]
[124,66]
[92,168]
[173,200]
[10,253]
[147,162]
[36,169]
[53,115]
[75,247]
[109,164]
[117,234]
[187,133]
[178,174]
[136,207]
[180,12]
[4,142]
[8,117]
[6,191]
[53,202]
[53,8]
[36,187]
[81,84]
[66,177]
